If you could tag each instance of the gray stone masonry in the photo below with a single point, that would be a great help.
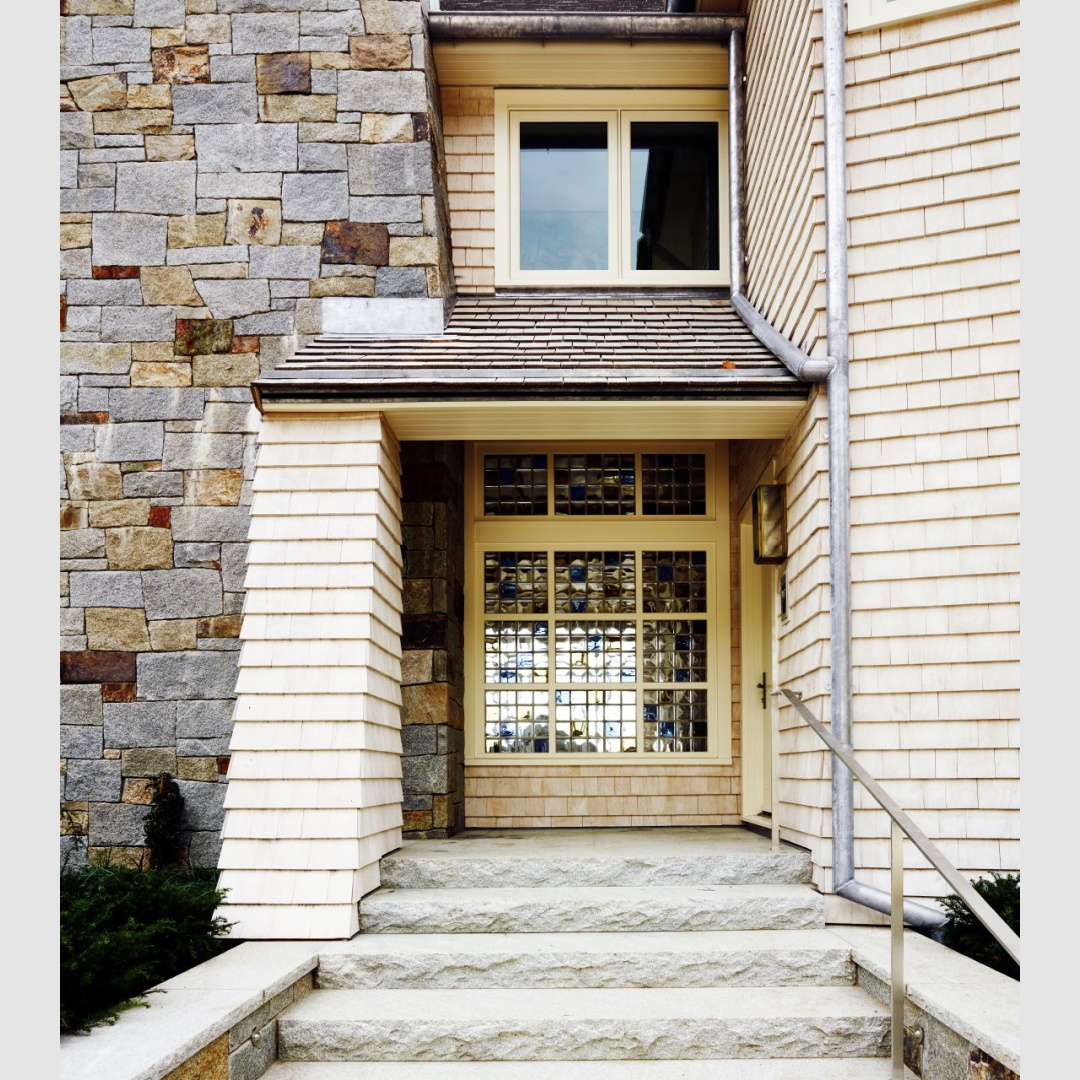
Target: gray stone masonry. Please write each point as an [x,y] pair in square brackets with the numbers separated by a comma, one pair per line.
[205,146]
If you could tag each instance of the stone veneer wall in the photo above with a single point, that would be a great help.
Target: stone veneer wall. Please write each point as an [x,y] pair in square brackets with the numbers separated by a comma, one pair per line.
[225,164]
[433,666]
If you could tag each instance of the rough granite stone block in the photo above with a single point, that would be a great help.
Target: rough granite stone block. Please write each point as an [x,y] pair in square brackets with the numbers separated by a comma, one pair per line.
[80,704]
[77,437]
[315,196]
[155,484]
[286,261]
[106,293]
[203,804]
[283,73]
[159,12]
[82,544]
[205,850]
[80,741]
[199,450]
[203,719]
[249,148]
[225,69]
[417,739]
[180,676]
[140,723]
[215,747]
[382,91]
[400,281]
[266,33]
[181,594]
[117,823]
[106,588]
[97,781]
[390,169]
[69,168]
[156,403]
[120,45]
[384,208]
[157,187]
[322,157]
[72,853]
[131,442]
[273,322]
[233,565]
[76,43]
[393,17]
[197,556]
[76,131]
[227,299]
[137,323]
[251,1059]
[214,103]
[69,394]
[129,239]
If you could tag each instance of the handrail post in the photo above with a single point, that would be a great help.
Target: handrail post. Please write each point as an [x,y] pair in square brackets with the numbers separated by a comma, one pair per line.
[774,753]
[897,921]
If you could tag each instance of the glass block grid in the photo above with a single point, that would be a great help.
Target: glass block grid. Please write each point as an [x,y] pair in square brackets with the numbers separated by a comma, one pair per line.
[515,582]
[596,721]
[594,484]
[595,582]
[516,721]
[675,720]
[515,652]
[675,651]
[673,484]
[515,484]
[595,652]
[673,581]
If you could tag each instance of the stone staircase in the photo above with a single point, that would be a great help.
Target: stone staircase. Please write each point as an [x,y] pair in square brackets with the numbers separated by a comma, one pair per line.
[657,954]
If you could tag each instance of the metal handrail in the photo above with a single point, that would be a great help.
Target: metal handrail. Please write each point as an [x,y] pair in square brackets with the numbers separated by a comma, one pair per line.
[901,825]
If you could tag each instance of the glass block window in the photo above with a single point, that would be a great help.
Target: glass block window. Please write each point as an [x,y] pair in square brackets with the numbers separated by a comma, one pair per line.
[595,582]
[515,652]
[594,484]
[515,484]
[675,651]
[596,721]
[675,720]
[515,582]
[516,721]
[673,484]
[602,652]
[673,581]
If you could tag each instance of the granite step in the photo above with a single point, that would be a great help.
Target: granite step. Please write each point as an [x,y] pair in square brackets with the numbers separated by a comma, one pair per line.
[477,961]
[511,862]
[592,909]
[702,1069]
[583,1025]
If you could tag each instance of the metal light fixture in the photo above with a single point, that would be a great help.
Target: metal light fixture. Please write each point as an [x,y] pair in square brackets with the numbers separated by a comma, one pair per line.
[770,524]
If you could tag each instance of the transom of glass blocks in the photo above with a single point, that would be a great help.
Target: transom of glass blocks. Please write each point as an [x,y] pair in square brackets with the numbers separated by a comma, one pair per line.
[582,659]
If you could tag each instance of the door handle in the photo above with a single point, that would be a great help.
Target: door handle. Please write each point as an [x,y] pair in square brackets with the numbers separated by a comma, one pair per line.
[763,687]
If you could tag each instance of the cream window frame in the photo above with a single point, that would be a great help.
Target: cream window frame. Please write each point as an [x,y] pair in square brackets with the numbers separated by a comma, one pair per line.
[871,14]
[708,532]
[619,108]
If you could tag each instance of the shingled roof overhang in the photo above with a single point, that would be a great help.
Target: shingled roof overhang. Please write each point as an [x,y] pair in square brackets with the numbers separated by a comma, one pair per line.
[580,25]
[550,347]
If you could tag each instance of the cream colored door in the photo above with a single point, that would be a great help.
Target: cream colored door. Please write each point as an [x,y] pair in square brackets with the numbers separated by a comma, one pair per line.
[758,591]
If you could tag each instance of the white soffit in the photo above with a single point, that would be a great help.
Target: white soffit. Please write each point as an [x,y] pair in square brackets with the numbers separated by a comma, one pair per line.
[581,63]
[576,420]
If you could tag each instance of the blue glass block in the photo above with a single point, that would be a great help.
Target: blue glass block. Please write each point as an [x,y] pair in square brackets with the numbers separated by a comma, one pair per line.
[506,476]
[681,675]
[595,642]
[697,558]
[577,491]
[540,629]
[578,573]
[507,558]
[525,660]
[628,478]
[651,713]
[507,675]
[506,731]
[665,572]
[540,746]
[508,590]
[578,606]
[539,461]
[683,643]
[667,729]
[628,674]
[611,558]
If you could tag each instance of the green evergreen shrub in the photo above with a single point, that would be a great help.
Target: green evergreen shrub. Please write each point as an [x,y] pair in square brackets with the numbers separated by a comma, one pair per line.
[967,935]
[124,930]
[162,825]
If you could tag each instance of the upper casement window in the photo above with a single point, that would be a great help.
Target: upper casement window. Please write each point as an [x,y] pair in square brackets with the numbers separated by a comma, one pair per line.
[611,188]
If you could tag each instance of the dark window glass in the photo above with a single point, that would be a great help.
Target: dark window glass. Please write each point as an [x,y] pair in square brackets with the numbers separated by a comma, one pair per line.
[564,196]
[675,193]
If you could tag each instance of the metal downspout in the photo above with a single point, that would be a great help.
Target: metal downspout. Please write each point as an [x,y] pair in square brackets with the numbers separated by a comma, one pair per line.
[834,369]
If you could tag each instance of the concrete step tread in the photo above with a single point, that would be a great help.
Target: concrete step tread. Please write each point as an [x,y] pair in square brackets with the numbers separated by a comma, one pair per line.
[692,943]
[594,893]
[494,1008]
[706,1069]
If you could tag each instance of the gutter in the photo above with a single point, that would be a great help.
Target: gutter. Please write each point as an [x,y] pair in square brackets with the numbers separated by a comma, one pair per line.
[497,26]
[834,371]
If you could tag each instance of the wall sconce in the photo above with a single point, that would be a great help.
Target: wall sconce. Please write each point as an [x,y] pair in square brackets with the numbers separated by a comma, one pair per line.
[770,524]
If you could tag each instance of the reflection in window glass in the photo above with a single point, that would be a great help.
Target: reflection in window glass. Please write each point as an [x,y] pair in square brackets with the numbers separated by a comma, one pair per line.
[515,652]
[673,483]
[676,720]
[588,582]
[564,195]
[673,581]
[675,193]
[594,721]
[594,483]
[515,582]
[516,722]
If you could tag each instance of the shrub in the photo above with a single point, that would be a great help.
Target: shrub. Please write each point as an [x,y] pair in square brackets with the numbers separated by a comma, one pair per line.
[123,930]
[162,825]
[967,935]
